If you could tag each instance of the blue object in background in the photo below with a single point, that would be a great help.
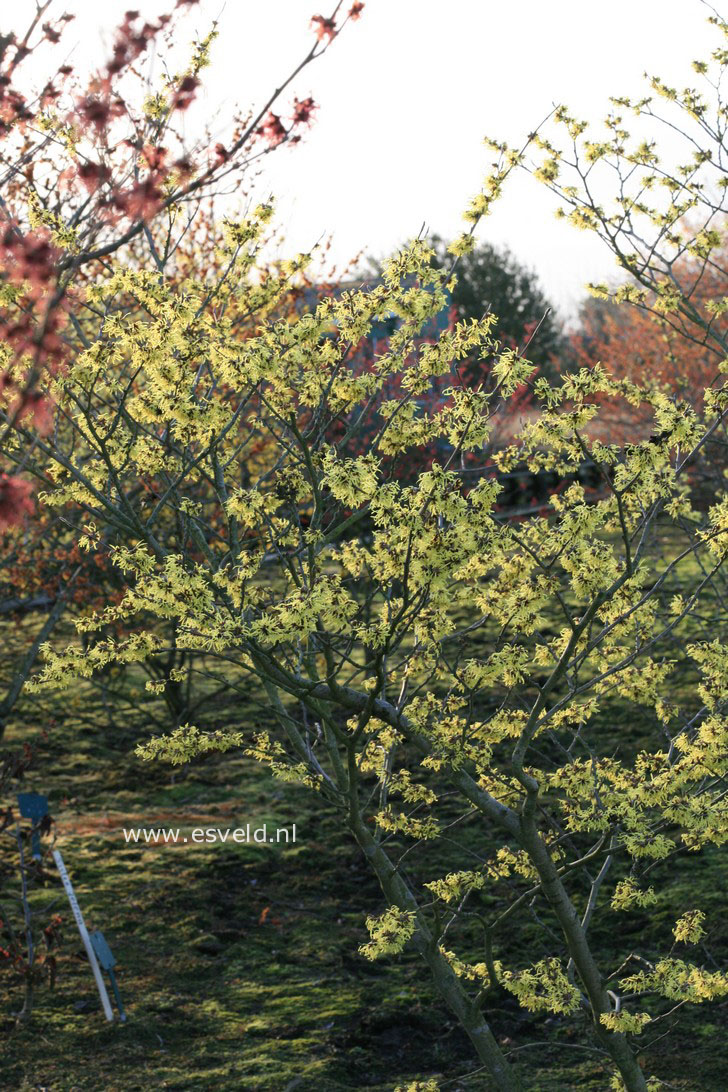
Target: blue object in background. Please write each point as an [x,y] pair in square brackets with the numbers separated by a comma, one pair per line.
[107,961]
[33,806]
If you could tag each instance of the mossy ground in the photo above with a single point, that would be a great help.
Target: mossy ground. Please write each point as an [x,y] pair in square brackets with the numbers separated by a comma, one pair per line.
[238,964]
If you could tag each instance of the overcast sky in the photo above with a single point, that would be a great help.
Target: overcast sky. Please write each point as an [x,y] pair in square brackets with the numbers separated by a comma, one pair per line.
[406,95]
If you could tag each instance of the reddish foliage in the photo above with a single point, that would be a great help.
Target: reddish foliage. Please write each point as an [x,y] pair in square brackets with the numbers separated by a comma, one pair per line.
[154,156]
[50,33]
[185,93]
[36,406]
[675,352]
[325,28]
[30,257]
[303,110]
[130,43]
[99,111]
[644,347]
[15,500]
[273,130]
[141,201]
[93,175]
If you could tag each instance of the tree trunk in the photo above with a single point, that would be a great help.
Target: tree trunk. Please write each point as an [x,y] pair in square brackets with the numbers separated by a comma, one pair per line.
[614,1043]
[447,982]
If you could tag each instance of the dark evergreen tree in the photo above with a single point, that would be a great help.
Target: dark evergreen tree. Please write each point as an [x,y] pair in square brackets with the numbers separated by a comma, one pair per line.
[492,279]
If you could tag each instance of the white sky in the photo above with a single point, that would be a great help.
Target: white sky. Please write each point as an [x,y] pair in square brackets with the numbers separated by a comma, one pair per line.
[406,95]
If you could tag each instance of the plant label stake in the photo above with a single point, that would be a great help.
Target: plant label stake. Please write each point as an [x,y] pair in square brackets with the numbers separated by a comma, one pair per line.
[100,984]
[33,806]
[107,961]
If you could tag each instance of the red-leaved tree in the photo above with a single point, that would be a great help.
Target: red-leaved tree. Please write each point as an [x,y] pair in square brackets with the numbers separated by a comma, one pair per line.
[91,166]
